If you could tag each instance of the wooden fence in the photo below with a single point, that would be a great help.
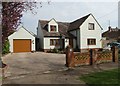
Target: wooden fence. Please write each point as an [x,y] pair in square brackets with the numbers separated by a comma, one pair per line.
[81,59]
[104,57]
[89,58]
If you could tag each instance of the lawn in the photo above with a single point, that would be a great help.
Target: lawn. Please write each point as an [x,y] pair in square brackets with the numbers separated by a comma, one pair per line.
[102,78]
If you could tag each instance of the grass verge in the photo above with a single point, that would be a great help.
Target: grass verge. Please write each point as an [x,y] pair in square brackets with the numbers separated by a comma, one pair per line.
[110,77]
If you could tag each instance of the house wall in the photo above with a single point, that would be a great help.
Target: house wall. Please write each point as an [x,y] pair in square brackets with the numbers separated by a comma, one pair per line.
[47,43]
[66,42]
[40,36]
[85,34]
[74,41]
[73,32]
[21,34]
[74,44]
[52,22]
[78,39]
[76,33]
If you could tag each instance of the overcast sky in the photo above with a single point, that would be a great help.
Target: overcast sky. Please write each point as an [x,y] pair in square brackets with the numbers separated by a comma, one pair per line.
[70,11]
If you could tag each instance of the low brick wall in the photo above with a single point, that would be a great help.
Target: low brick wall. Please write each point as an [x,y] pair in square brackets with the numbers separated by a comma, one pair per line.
[91,57]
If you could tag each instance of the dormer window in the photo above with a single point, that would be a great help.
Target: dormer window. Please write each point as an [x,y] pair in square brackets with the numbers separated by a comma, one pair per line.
[53,28]
[91,26]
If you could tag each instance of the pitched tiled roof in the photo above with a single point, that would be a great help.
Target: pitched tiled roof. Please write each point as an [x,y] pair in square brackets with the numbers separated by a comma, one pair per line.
[77,23]
[63,28]
[112,33]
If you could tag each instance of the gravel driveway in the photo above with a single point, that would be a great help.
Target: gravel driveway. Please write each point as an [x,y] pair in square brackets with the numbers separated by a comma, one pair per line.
[38,68]
[46,68]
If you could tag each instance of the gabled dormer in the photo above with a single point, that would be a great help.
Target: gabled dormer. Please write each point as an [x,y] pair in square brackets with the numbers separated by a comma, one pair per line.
[52,26]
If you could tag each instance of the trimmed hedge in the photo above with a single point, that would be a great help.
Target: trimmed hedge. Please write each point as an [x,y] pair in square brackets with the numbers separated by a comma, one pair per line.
[5,48]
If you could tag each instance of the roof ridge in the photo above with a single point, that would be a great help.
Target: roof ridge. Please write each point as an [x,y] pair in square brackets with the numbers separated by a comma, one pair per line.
[66,21]
[44,19]
[81,17]
[75,24]
[56,21]
[28,31]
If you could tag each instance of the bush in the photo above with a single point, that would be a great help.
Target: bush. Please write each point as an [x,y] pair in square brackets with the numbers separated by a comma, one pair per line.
[5,48]
[55,50]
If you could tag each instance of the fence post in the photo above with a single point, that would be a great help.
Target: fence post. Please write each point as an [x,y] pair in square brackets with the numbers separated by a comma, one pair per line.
[114,53]
[69,57]
[91,56]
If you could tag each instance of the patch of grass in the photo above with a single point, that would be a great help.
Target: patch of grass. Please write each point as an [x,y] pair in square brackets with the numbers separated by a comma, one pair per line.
[101,78]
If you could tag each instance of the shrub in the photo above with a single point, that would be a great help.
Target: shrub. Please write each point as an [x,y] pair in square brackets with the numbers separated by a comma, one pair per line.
[105,51]
[5,48]
[55,50]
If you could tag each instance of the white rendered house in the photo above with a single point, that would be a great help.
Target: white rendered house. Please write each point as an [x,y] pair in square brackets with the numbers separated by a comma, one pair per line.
[81,34]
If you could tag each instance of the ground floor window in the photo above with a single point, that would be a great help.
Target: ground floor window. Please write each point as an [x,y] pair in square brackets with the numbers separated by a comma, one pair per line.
[91,41]
[54,42]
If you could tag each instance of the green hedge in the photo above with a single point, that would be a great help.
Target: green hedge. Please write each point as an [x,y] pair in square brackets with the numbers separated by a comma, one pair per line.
[5,48]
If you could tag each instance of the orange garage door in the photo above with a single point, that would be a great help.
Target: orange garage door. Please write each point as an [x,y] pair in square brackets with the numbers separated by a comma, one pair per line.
[21,45]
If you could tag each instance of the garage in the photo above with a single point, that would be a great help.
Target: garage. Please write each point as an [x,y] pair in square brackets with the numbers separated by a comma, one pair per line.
[21,45]
[22,41]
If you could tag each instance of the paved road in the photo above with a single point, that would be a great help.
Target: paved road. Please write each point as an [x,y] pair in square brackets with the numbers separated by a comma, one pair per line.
[45,68]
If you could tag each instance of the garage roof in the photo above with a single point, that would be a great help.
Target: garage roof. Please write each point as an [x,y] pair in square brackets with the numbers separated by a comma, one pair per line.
[31,33]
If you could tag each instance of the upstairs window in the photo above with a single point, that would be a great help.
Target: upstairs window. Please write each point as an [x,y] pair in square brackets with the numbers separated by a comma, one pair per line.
[91,41]
[53,28]
[91,26]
